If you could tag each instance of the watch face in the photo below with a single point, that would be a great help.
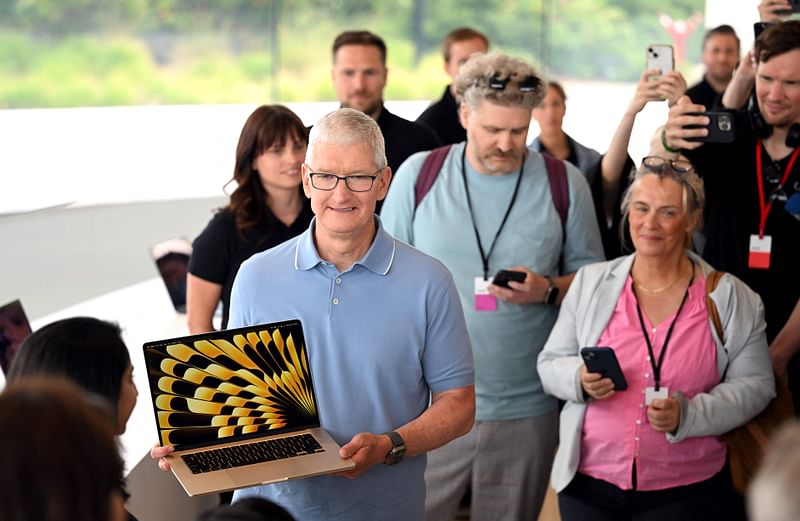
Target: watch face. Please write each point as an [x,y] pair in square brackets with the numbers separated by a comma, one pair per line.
[395,455]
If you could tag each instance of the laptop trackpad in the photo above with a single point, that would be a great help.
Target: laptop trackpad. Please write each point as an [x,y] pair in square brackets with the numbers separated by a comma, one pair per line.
[272,472]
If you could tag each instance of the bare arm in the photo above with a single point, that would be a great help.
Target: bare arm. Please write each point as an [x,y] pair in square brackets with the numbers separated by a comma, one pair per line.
[449,416]
[787,343]
[773,11]
[741,85]
[202,298]
[670,86]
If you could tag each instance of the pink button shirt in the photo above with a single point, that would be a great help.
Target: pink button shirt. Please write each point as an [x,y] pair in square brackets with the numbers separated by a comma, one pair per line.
[616,432]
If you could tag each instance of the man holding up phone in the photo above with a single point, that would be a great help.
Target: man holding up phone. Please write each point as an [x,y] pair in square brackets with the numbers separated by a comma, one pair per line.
[752,218]
[490,208]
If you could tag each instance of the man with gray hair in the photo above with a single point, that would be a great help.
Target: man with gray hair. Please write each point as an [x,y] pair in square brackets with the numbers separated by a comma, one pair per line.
[491,206]
[383,325]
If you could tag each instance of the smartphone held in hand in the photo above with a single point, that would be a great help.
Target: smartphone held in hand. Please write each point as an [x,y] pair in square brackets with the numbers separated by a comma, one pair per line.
[503,277]
[660,56]
[721,127]
[603,360]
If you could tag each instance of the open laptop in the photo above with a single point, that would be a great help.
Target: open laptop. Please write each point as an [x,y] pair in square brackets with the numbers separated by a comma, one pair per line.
[14,328]
[239,407]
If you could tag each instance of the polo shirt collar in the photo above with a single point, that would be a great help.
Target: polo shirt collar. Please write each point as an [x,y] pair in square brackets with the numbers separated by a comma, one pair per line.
[378,258]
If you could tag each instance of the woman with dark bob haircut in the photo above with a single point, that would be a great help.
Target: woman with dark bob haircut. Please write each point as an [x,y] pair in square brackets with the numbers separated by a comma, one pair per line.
[266,208]
[59,455]
[89,352]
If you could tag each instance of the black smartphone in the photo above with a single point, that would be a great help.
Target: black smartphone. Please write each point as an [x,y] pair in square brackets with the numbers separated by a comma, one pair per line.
[795,8]
[758,28]
[721,127]
[603,360]
[503,277]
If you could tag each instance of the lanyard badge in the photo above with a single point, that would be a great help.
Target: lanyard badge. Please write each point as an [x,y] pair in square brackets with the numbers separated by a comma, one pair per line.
[761,245]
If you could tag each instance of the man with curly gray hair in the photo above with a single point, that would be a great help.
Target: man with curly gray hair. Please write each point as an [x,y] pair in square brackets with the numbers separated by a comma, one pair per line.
[491,205]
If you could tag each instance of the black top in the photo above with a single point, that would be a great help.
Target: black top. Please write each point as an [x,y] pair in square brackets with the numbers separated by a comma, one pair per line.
[572,159]
[403,138]
[704,94]
[219,250]
[616,239]
[732,216]
[442,118]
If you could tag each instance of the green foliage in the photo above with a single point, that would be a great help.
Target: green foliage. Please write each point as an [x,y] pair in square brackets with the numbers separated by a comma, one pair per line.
[60,52]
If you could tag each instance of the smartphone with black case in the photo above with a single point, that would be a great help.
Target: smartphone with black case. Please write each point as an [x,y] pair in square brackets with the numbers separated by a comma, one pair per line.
[603,360]
[758,28]
[721,127]
[503,277]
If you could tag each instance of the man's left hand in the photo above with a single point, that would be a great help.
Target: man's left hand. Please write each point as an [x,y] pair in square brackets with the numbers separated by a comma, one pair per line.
[531,290]
[366,450]
[664,415]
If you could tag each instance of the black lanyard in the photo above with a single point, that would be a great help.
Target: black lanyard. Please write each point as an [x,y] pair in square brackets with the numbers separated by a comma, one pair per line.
[485,256]
[657,365]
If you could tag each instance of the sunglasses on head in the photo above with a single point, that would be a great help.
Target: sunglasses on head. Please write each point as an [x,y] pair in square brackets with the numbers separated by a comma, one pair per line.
[659,164]
[526,84]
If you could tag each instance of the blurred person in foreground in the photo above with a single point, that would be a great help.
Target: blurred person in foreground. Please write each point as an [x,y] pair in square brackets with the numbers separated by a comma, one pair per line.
[772,496]
[59,455]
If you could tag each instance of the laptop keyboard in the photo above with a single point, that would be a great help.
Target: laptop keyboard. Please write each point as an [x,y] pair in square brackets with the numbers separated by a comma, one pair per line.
[251,453]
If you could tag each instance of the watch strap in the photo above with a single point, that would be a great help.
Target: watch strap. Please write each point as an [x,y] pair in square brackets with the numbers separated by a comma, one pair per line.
[398,449]
[551,295]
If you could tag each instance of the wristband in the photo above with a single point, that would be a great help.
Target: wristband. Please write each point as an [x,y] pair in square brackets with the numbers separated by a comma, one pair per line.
[665,145]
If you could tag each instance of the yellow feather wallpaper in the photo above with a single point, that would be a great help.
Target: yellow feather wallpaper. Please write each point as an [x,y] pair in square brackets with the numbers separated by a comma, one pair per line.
[230,383]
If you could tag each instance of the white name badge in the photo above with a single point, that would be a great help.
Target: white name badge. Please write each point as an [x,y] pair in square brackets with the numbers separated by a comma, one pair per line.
[651,394]
[484,301]
[760,251]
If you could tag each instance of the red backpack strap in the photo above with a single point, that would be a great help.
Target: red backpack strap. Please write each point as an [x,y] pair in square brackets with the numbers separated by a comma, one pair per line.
[559,189]
[429,172]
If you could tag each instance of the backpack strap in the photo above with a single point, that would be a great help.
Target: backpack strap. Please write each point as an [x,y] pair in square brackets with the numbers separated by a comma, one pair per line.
[429,172]
[557,176]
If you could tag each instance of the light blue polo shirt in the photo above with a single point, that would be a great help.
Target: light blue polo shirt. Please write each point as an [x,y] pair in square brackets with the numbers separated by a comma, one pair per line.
[381,336]
[506,342]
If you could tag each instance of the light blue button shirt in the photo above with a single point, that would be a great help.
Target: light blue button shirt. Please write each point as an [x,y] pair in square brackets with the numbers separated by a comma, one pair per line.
[381,336]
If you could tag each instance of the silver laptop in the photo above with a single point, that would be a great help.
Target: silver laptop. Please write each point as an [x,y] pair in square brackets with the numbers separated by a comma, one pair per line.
[239,407]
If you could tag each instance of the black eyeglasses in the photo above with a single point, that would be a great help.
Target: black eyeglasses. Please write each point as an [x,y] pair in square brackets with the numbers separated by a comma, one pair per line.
[355,183]
[526,84]
[658,164]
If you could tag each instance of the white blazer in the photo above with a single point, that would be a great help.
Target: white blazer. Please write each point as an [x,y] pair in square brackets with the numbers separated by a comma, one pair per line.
[748,386]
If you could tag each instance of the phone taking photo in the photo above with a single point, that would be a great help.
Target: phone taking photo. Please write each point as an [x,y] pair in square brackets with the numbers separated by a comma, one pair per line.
[794,8]
[503,277]
[660,56]
[721,127]
[603,360]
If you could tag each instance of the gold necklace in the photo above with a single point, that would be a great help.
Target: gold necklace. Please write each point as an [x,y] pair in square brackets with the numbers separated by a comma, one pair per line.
[656,290]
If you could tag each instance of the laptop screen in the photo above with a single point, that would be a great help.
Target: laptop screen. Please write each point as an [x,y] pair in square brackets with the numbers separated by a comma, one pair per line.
[14,328]
[225,385]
